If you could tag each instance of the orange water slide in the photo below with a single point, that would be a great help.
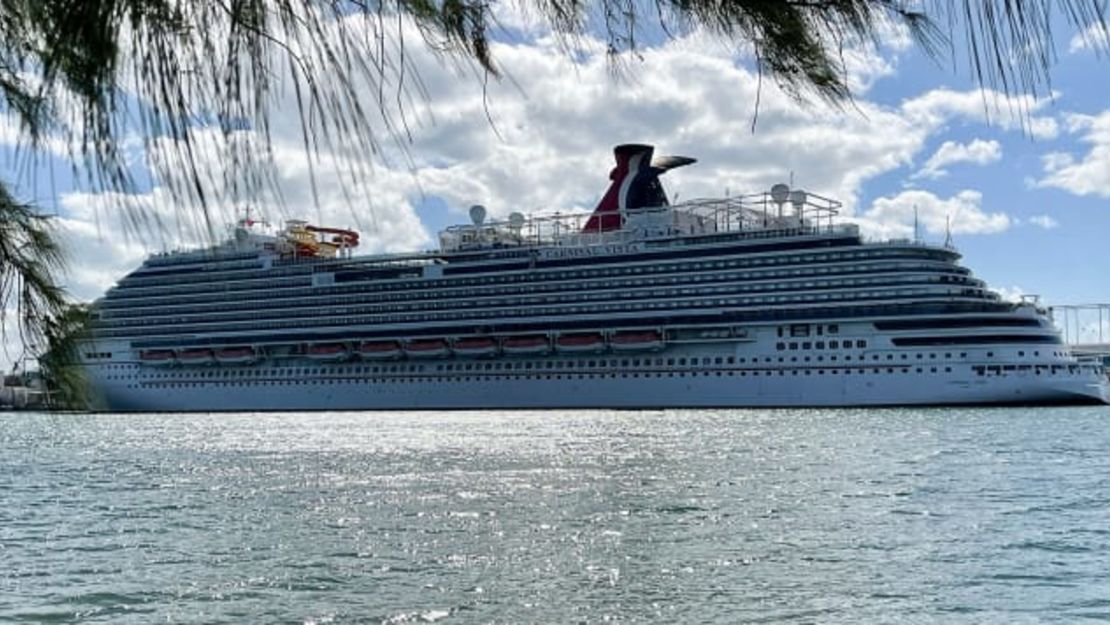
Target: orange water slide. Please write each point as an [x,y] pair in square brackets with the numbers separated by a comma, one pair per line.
[343,238]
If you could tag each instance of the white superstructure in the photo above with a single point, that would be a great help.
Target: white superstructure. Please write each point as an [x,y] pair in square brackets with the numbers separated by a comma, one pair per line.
[758,300]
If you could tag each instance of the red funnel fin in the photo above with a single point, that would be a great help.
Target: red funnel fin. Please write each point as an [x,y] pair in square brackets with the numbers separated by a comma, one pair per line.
[635,184]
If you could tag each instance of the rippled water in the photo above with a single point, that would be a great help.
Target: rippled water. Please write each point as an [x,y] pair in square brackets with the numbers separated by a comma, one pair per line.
[830,516]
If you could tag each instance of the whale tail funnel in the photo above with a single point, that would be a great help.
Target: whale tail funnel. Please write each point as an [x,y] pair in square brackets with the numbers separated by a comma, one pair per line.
[635,184]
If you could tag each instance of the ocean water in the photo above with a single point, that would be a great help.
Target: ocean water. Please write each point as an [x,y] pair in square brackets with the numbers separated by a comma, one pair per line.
[769,516]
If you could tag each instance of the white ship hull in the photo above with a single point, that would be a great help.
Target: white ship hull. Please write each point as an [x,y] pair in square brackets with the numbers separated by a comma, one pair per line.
[646,384]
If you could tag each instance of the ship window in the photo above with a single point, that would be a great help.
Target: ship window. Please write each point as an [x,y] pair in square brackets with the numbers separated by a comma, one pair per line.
[807,345]
[793,345]
[861,344]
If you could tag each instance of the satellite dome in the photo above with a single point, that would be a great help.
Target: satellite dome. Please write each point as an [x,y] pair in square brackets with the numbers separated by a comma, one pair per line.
[798,199]
[477,214]
[780,193]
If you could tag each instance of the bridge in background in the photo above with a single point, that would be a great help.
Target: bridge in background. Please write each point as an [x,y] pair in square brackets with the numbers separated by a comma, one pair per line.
[1086,327]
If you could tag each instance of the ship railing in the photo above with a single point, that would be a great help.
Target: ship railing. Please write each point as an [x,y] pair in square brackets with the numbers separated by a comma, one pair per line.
[757,216]
[762,211]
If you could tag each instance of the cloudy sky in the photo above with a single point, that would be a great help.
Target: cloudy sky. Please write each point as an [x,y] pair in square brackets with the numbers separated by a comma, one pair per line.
[1023,180]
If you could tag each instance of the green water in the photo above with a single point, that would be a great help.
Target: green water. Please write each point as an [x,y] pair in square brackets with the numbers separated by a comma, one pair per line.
[786,516]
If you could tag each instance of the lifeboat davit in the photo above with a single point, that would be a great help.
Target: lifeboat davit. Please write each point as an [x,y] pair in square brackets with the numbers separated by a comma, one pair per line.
[202,356]
[434,348]
[236,355]
[476,347]
[380,350]
[526,345]
[157,357]
[580,343]
[327,351]
[636,341]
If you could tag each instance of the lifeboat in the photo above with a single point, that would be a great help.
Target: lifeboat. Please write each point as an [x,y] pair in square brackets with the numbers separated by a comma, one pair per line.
[636,341]
[200,356]
[157,357]
[434,348]
[580,343]
[379,350]
[235,355]
[525,345]
[327,351]
[476,347]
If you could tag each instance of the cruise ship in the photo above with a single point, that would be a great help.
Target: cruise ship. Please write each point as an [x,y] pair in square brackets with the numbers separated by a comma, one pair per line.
[760,300]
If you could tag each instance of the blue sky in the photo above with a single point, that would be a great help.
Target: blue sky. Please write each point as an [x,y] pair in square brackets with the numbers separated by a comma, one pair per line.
[1066,263]
[1027,197]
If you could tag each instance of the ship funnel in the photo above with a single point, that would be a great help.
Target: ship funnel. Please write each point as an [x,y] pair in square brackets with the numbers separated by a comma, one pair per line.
[635,184]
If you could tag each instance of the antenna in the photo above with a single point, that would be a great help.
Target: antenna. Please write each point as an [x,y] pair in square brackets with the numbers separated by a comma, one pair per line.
[948,230]
[916,232]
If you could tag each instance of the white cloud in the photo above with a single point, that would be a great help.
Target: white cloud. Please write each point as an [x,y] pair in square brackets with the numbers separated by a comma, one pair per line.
[688,97]
[1089,175]
[1055,161]
[1011,293]
[978,152]
[555,119]
[960,214]
[1016,112]
[1044,221]
[1094,37]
